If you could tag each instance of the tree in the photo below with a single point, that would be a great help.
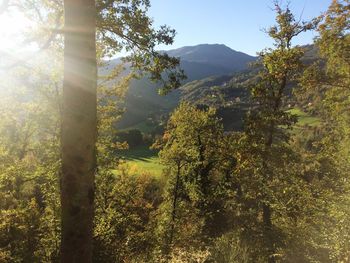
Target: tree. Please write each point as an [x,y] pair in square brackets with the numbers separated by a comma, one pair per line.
[93,30]
[267,125]
[334,46]
[124,223]
[29,132]
[194,150]
[125,20]
[325,88]
[79,131]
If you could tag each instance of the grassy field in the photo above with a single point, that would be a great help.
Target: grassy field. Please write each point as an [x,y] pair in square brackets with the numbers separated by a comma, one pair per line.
[143,160]
[304,118]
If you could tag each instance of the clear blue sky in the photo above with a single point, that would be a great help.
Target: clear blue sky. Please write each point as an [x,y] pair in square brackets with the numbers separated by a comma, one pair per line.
[235,23]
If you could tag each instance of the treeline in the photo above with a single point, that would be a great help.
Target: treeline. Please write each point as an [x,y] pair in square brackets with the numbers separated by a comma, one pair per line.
[273,192]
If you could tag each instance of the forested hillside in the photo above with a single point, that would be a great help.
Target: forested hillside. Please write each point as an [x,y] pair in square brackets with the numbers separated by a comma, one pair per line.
[225,89]
[198,62]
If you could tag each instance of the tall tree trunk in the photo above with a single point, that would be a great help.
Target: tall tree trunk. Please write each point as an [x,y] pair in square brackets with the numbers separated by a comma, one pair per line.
[268,233]
[78,135]
[173,212]
[267,210]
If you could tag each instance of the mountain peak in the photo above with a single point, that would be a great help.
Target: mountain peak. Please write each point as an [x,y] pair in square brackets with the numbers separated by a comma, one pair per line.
[218,55]
[200,48]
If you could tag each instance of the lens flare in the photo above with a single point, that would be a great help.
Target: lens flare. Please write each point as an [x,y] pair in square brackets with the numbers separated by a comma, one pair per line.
[13,24]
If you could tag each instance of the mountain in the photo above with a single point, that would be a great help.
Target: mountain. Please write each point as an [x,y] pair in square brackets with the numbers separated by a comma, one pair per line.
[142,100]
[229,93]
[217,57]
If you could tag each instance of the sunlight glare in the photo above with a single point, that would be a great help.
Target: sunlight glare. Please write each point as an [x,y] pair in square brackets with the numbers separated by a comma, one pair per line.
[12,26]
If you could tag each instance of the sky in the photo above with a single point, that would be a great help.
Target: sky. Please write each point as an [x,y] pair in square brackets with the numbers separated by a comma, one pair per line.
[238,24]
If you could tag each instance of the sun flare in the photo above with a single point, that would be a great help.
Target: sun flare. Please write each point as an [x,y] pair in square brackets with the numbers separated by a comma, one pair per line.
[12,26]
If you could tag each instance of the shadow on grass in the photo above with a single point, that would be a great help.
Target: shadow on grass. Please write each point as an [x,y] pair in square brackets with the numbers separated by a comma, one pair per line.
[141,153]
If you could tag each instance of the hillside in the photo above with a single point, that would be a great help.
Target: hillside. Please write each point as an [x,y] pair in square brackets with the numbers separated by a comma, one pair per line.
[199,62]
[227,93]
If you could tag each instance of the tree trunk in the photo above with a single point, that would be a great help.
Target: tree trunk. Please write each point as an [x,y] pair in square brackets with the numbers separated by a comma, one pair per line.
[268,233]
[173,212]
[78,135]
[267,210]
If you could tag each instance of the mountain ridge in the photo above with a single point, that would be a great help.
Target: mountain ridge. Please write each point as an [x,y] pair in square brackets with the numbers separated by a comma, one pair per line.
[198,62]
[213,54]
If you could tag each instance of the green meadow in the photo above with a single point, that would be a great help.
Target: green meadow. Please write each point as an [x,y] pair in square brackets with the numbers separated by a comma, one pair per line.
[143,160]
[304,118]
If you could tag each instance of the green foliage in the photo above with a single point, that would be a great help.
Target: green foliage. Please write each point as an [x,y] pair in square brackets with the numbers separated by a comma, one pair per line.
[193,149]
[229,248]
[126,25]
[269,190]
[124,221]
[325,86]
[29,126]
[134,138]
